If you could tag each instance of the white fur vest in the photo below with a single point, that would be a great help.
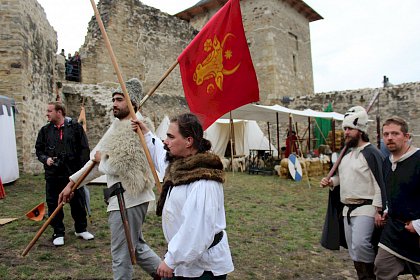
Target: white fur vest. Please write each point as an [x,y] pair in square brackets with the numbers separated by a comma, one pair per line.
[122,149]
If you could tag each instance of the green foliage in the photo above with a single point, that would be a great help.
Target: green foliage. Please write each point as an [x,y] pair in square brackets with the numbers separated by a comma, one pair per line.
[273,226]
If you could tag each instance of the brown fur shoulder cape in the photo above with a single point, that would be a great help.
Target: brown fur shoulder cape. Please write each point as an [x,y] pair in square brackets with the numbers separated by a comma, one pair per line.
[202,166]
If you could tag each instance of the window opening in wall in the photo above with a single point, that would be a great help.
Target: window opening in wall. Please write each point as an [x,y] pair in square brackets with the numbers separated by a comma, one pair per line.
[295,38]
[294,64]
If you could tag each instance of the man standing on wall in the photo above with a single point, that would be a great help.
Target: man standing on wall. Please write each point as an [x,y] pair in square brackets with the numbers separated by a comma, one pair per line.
[62,147]
[399,247]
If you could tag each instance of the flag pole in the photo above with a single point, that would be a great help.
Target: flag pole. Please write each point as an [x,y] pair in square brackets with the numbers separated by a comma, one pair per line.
[153,89]
[59,207]
[124,90]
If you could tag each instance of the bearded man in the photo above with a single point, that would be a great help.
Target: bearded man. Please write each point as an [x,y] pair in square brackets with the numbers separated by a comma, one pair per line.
[121,157]
[360,179]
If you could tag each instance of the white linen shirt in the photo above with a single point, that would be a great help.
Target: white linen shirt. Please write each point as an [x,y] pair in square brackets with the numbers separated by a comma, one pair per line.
[192,215]
[357,182]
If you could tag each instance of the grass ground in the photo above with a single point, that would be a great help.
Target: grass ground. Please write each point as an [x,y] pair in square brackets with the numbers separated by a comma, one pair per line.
[274,228]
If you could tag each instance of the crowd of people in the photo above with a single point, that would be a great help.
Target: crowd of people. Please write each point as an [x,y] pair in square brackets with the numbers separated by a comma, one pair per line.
[378,206]
[73,66]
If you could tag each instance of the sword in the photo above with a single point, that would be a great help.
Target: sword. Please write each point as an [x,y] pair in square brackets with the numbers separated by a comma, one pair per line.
[118,190]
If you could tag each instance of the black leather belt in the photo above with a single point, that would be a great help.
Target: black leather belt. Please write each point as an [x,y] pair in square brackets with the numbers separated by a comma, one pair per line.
[217,238]
[354,206]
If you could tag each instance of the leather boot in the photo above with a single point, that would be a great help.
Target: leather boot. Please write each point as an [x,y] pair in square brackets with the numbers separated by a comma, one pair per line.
[364,271]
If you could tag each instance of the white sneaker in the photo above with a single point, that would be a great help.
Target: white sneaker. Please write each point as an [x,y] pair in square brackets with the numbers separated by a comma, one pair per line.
[85,235]
[59,241]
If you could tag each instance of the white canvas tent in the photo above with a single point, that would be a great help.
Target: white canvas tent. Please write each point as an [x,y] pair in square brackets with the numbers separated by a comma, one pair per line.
[248,136]
[9,168]
[274,112]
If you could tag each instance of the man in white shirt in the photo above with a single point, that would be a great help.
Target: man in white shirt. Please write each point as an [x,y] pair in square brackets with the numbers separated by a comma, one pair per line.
[191,203]
[360,179]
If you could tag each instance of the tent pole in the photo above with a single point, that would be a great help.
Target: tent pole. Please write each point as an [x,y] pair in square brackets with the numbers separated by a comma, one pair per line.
[309,134]
[269,137]
[290,133]
[333,134]
[232,140]
[278,136]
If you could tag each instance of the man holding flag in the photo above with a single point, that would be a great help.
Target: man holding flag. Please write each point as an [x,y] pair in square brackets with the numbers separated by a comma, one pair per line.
[218,76]
[191,203]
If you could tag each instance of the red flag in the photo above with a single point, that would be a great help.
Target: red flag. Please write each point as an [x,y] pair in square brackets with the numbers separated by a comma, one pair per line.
[2,191]
[216,67]
[37,213]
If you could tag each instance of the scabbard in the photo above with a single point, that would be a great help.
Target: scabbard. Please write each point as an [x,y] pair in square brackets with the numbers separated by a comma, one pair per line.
[119,190]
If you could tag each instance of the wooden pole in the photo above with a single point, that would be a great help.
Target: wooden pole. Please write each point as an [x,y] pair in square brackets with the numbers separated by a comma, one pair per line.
[126,96]
[153,89]
[278,135]
[269,137]
[59,207]
[309,134]
[232,140]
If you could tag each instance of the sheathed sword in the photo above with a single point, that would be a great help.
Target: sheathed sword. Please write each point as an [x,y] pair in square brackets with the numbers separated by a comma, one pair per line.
[118,190]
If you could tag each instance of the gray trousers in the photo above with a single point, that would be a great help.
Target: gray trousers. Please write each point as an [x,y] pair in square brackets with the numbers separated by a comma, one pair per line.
[121,261]
[358,238]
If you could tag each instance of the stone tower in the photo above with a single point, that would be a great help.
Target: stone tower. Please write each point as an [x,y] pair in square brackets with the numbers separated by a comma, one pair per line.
[279,40]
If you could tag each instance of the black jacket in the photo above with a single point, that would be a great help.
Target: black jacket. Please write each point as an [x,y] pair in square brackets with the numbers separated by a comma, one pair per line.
[70,154]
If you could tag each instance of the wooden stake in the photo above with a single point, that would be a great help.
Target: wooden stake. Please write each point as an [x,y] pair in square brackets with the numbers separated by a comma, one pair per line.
[59,207]
[126,96]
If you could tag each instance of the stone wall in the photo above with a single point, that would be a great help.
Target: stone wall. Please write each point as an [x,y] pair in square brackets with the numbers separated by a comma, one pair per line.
[402,100]
[146,42]
[28,45]
[98,106]
[279,41]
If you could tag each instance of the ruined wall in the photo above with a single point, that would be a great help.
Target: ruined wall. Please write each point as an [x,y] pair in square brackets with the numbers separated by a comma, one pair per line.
[28,45]
[279,41]
[402,100]
[146,43]
[98,106]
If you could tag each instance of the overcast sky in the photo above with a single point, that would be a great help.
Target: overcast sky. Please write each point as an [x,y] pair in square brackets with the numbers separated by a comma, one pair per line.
[354,46]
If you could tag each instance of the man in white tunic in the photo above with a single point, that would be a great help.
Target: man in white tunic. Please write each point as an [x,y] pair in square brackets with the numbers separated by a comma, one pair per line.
[360,179]
[191,203]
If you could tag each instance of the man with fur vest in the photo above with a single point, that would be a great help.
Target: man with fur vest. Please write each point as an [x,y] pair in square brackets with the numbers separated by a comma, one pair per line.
[191,203]
[122,158]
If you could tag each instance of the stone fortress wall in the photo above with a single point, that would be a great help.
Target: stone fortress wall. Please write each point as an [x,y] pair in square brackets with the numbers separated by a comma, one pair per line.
[147,42]
[28,45]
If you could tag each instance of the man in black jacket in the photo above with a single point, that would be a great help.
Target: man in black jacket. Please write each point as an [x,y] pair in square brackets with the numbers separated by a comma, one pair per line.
[63,148]
[399,247]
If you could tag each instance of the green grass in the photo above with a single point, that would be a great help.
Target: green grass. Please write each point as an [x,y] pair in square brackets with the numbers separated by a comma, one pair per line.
[273,226]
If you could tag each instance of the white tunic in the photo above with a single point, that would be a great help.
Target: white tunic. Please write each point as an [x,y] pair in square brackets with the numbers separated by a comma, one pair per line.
[192,215]
[357,182]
